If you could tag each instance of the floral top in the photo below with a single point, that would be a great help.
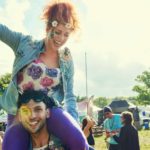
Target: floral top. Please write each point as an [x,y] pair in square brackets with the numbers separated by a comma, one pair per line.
[50,146]
[37,76]
[26,49]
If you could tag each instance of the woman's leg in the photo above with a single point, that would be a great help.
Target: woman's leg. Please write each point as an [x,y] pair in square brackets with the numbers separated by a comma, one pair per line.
[62,125]
[16,138]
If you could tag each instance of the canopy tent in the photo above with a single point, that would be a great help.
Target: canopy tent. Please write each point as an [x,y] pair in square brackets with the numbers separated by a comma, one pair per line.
[119,106]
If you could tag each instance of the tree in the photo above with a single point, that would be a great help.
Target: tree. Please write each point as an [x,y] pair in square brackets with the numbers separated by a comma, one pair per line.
[4,81]
[80,99]
[100,101]
[143,88]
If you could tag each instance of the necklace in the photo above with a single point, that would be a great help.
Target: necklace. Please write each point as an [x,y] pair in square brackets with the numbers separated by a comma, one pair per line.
[45,147]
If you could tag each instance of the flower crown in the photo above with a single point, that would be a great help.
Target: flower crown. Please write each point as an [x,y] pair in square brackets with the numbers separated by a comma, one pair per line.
[55,23]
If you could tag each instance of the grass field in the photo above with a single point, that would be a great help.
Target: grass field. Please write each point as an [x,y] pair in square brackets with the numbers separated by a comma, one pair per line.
[144,137]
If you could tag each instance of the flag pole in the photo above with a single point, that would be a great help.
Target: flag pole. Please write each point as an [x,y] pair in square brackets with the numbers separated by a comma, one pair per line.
[86,83]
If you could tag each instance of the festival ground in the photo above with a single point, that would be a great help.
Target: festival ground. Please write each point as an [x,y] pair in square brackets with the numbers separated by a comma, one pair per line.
[143,138]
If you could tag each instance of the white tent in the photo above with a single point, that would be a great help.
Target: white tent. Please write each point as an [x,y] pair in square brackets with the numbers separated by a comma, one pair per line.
[86,107]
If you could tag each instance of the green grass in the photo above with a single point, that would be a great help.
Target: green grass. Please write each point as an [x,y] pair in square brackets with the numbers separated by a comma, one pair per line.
[144,138]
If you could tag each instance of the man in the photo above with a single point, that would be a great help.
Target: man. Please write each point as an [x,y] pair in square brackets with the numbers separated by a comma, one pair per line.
[112,124]
[33,112]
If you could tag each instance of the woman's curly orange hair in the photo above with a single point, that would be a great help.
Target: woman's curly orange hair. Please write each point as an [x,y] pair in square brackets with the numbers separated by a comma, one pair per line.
[62,11]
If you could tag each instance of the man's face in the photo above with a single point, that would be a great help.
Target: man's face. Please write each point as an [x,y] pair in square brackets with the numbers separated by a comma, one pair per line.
[33,116]
[108,114]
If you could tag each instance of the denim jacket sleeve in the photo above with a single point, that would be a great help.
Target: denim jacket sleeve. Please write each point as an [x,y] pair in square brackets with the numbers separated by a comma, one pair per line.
[70,98]
[67,67]
[9,37]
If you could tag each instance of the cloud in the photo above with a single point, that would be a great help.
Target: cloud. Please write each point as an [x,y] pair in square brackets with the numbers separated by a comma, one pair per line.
[116,37]
[12,14]
[114,34]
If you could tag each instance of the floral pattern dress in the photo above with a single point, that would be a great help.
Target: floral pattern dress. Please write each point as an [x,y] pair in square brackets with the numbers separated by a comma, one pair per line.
[37,76]
[50,146]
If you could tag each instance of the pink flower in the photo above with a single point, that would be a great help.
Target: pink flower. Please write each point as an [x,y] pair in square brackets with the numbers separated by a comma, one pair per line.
[28,86]
[45,82]
[37,61]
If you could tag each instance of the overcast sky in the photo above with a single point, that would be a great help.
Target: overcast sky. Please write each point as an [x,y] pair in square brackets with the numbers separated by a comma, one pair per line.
[115,34]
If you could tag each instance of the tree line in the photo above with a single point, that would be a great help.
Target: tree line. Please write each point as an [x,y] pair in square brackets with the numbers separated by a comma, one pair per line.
[142,88]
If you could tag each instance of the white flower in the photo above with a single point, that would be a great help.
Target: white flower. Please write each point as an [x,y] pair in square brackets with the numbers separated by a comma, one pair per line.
[54,23]
[68,25]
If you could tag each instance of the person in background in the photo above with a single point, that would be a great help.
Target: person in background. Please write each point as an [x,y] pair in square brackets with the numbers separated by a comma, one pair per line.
[136,118]
[128,138]
[112,124]
[87,124]
[43,65]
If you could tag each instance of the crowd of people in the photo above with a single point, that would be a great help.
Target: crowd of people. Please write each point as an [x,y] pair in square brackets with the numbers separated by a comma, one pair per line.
[121,134]
[42,78]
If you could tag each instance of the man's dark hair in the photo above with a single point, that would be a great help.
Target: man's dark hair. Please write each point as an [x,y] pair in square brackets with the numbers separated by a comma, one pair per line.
[107,109]
[37,96]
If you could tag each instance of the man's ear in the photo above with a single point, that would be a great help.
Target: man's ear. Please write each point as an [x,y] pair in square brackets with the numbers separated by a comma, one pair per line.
[47,113]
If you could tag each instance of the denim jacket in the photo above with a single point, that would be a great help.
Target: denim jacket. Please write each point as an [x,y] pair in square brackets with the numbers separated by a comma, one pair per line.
[26,50]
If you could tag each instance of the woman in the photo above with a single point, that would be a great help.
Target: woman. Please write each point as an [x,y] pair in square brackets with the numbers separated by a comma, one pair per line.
[42,65]
[87,125]
[128,138]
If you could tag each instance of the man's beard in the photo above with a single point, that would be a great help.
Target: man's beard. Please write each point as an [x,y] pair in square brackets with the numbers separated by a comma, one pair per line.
[38,129]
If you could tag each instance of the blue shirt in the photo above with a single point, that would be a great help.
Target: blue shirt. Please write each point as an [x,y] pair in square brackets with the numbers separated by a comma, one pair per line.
[112,124]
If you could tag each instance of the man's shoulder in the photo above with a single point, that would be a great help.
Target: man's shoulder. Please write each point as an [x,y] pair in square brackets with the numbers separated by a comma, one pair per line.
[106,121]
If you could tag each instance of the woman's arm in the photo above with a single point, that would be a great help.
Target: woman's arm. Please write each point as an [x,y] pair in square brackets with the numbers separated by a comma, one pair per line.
[9,37]
[86,131]
[122,136]
[88,127]
[69,97]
